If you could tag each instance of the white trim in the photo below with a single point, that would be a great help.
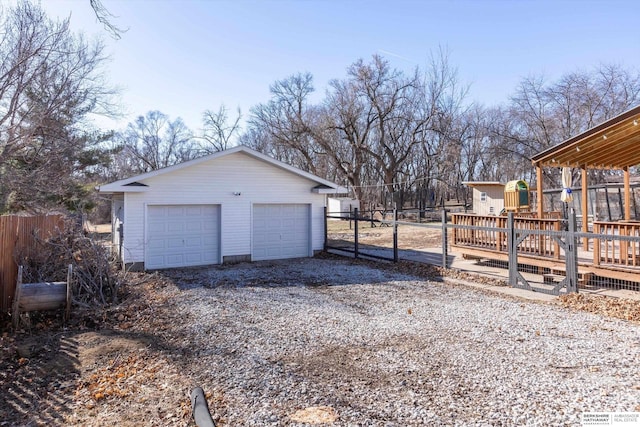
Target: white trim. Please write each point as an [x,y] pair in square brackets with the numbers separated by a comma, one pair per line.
[479,183]
[310,235]
[220,231]
[145,242]
[337,190]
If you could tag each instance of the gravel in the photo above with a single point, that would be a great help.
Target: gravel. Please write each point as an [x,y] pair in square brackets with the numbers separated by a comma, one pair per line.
[387,349]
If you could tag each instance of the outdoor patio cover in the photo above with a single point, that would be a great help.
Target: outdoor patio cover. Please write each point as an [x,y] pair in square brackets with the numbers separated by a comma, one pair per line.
[612,145]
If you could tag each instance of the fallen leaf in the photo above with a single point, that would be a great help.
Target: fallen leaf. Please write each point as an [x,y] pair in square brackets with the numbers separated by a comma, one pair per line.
[315,415]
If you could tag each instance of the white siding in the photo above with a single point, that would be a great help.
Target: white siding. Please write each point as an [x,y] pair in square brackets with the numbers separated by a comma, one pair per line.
[215,182]
[495,199]
[341,206]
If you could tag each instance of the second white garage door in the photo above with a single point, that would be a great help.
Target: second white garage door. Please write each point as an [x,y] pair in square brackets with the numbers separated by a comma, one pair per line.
[182,235]
[281,231]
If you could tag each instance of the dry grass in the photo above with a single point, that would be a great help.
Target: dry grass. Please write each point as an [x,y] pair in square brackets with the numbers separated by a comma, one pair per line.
[428,235]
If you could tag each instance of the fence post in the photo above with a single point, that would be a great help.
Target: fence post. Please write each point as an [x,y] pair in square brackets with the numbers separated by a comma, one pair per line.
[445,243]
[355,232]
[395,235]
[16,301]
[571,255]
[326,235]
[512,250]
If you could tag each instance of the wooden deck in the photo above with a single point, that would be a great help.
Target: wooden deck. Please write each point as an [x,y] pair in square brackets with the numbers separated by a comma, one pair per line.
[603,257]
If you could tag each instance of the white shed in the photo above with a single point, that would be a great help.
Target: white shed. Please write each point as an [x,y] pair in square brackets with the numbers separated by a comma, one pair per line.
[488,197]
[234,205]
[341,206]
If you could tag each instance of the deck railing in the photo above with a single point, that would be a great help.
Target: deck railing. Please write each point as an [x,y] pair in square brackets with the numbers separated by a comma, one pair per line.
[490,238]
[540,247]
[486,239]
[545,215]
[616,251]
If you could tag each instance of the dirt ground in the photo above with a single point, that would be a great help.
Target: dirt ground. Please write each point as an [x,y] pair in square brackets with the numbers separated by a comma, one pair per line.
[124,365]
[419,236]
[110,367]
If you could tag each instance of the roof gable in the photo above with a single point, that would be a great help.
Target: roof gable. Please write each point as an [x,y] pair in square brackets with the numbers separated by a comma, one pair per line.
[132,184]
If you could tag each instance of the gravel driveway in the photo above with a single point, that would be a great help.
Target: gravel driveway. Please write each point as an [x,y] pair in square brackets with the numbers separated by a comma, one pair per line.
[380,348]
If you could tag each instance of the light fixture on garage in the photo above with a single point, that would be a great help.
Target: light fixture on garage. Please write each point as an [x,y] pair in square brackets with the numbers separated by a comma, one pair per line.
[236,193]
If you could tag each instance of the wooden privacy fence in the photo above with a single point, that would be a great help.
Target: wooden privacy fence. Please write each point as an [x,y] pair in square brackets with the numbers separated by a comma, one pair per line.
[18,235]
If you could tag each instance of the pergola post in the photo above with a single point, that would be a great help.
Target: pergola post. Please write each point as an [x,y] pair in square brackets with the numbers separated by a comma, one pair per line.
[627,194]
[540,198]
[585,206]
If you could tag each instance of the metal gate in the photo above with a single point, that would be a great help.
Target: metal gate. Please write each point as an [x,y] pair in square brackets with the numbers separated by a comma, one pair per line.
[567,241]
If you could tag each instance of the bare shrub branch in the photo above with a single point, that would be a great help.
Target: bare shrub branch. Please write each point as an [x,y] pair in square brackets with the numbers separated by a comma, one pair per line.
[96,281]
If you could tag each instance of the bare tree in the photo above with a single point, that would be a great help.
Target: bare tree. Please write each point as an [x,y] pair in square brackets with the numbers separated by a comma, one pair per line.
[368,129]
[543,113]
[218,132]
[153,142]
[349,125]
[106,19]
[398,137]
[288,124]
[441,138]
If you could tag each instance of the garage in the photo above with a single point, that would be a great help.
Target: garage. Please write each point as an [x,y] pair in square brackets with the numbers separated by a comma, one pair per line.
[281,231]
[182,236]
[230,206]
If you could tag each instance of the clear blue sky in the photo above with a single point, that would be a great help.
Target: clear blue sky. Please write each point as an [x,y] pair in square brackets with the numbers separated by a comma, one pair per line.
[182,57]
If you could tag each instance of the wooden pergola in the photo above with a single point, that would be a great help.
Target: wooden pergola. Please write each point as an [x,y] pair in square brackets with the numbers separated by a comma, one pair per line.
[613,145]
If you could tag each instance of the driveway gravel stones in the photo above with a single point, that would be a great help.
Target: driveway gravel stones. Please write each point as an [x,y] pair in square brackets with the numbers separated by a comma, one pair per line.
[382,348]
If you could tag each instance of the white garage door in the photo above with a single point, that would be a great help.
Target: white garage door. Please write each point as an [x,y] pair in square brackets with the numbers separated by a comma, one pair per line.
[182,235]
[281,231]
